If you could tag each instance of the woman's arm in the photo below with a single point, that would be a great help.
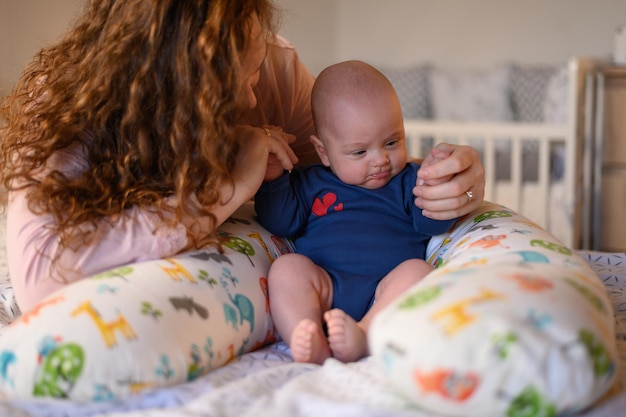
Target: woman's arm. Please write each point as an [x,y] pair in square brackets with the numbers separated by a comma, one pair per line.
[263,155]
[137,236]
[34,244]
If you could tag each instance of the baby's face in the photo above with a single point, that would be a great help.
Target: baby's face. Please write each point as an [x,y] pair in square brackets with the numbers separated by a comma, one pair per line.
[367,147]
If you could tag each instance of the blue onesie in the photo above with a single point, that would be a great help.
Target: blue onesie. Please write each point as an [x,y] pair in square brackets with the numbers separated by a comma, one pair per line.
[356,234]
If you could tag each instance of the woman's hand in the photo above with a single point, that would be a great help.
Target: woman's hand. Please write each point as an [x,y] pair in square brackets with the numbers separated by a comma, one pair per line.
[275,167]
[264,153]
[450,182]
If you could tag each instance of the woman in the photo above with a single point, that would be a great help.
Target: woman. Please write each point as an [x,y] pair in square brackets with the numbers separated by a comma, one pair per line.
[126,141]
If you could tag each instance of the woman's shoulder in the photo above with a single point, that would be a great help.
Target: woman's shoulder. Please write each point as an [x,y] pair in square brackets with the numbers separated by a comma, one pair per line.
[280,42]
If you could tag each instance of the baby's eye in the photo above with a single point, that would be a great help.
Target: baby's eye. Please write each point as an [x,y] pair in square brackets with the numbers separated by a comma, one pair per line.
[392,143]
[359,152]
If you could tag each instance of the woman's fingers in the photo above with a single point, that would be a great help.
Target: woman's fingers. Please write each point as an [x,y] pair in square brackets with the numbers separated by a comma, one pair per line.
[446,201]
[281,157]
[446,159]
[464,188]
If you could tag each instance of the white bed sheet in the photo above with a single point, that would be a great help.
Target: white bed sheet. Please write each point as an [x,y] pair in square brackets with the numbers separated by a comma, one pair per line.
[268,383]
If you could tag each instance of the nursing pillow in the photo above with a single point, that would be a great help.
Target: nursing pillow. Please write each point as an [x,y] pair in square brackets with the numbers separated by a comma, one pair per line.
[510,323]
[146,325]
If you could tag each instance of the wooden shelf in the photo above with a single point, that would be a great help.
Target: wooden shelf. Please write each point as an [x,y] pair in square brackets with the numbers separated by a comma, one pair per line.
[609,119]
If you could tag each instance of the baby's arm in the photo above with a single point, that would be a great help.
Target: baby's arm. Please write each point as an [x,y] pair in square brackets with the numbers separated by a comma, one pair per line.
[278,208]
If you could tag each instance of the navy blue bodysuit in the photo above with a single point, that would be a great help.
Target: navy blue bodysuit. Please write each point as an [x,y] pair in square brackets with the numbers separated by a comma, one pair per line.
[356,234]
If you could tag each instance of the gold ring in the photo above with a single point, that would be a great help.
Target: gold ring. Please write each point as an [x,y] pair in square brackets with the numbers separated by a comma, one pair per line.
[470,195]
[267,131]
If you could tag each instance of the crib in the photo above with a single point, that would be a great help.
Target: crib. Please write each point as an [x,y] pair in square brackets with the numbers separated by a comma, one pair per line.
[540,168]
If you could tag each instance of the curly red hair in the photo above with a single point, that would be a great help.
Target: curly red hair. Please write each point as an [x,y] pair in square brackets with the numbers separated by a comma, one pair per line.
[155,87]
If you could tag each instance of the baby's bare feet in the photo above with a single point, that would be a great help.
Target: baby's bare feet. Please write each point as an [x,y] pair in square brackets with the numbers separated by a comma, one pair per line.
[346,338]
[308,343]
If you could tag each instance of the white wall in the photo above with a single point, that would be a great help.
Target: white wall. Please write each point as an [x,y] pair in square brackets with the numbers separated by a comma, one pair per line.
[25,27]
[313,26]
[454,33]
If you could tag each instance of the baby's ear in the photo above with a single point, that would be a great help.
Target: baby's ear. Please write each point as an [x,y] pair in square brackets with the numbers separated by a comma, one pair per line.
[320,149]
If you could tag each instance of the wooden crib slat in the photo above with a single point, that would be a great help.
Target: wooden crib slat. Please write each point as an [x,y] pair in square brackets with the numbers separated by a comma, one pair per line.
[544,180]
[489,163]
[516,173]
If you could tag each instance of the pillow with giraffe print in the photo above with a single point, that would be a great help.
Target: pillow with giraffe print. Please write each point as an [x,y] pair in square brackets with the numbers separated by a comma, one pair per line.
[510,323]
[146,325]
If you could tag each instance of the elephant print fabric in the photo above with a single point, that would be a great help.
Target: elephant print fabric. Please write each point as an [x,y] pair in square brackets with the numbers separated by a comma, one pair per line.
[146,325]
[510,323]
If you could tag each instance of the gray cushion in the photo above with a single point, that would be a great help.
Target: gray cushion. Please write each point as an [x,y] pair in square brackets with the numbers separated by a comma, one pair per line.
[413,87]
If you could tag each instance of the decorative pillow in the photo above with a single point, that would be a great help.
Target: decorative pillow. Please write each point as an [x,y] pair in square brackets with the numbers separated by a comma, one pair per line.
[413,88]
[509,321]
[478,96]
[556,105]
[528,91]
[146,325]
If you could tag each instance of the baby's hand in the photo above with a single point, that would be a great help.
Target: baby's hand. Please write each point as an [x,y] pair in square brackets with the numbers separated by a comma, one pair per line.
[435,155]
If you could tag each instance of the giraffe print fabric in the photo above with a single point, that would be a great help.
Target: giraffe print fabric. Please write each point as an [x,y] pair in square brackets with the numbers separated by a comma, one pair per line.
[511,322]
[147,325]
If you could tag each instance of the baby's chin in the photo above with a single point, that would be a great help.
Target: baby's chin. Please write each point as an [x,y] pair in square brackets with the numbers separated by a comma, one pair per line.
[376,183]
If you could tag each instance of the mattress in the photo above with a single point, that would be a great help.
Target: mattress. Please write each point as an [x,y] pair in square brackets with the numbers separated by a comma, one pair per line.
[268,383]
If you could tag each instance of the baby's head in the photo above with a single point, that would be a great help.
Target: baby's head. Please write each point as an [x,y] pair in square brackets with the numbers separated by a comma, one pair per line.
[360,131]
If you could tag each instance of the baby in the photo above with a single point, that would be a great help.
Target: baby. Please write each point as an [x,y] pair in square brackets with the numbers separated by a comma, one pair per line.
[359,237]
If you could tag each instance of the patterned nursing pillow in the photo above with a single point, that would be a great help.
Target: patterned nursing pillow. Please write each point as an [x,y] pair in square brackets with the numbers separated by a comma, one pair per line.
[510,323]
[504,299]
[145,325]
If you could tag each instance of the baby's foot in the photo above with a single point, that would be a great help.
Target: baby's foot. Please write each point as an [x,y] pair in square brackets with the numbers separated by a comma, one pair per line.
[346,338]
[308,343]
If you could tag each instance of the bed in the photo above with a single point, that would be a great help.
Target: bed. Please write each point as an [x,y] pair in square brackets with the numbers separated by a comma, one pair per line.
[528,123]
[265,381]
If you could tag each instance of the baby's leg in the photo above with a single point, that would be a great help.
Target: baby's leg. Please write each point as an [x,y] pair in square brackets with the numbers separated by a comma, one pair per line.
[396,282]
[346,338]
[299,291]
